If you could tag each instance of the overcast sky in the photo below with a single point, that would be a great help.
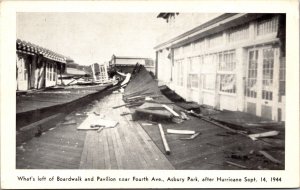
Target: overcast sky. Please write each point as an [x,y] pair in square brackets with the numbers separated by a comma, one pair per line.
[92,37]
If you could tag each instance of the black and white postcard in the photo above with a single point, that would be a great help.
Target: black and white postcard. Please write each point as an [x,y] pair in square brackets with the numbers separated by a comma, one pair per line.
[162,94]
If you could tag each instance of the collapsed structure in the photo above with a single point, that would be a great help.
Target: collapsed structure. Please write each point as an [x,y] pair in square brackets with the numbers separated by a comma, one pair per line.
[37,67]
[231,62]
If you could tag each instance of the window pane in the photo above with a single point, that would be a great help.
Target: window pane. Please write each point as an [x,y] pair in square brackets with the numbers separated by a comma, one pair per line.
[227,83]
[268,64]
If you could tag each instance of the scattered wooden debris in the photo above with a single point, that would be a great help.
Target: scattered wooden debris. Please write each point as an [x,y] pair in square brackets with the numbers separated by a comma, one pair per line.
[177,120]
[237,165]
[265,134]
[167,148]
[170,110]
[191,137]
[181,132]
[184,116]
[120,106]
[268,156]
[205,118]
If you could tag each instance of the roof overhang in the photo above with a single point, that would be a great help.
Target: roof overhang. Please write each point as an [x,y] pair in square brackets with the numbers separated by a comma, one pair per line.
[32,49]
[211,27]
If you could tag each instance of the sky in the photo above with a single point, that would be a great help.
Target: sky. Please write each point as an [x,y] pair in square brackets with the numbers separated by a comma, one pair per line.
[92,37]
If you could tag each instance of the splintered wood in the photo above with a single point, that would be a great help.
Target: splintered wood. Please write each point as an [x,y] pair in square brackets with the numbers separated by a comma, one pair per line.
[126,146]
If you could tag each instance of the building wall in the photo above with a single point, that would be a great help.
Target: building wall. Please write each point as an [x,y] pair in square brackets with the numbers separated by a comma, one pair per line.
[35,72]
[236,69]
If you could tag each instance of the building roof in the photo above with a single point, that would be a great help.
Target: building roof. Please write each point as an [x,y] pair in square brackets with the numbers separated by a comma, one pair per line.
[213,26]
[30,48]
[127,57]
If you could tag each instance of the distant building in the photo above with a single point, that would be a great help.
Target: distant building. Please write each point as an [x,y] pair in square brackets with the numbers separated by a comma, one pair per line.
[229,61]
[37,67]
[126,64]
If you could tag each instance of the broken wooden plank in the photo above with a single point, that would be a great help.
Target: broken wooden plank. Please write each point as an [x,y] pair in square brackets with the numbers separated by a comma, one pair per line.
[265,134]
[163,137]
[128,76]
[120,106]
[268,156]
[170,110]
[181,132]
[191,137]
[237,165]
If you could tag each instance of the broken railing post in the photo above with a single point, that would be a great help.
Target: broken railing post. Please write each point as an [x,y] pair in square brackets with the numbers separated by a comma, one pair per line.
[167,148]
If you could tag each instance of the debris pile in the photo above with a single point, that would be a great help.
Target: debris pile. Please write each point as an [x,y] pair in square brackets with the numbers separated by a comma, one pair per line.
[174,125]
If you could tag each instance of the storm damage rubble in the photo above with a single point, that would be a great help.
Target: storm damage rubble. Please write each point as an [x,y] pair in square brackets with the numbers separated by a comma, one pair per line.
[162,107]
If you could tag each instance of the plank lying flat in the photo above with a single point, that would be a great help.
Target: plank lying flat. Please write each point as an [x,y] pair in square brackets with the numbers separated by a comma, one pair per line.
[126,146]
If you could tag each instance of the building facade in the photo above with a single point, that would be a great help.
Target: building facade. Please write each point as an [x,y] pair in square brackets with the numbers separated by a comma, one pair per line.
[37,67]
[126,64]
[231,62]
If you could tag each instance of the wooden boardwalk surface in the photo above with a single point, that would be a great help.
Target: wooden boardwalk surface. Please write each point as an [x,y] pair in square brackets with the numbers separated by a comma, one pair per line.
[132,146]
[126,146]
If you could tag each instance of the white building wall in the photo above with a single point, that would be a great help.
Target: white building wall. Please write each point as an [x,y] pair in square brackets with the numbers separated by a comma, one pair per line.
[239,43]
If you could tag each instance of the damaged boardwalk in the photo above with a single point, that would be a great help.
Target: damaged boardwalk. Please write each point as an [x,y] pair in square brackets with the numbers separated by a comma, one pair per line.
[126,146]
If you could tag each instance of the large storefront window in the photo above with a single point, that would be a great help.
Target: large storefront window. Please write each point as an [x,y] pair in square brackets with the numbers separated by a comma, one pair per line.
[251,88]
[282,79]
[268,66]
[226,70]
[227,83]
